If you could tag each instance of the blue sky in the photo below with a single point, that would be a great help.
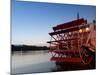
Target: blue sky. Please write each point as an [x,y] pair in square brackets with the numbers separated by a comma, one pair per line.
[32,21]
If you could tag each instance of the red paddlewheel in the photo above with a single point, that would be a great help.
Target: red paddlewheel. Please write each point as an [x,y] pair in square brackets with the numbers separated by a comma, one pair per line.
[66,39]
[65,59]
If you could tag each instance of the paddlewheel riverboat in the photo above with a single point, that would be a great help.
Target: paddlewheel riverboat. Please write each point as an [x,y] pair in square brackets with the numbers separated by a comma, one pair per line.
[73,42]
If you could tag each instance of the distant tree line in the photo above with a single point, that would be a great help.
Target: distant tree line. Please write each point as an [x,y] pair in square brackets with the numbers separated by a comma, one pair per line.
[28,48]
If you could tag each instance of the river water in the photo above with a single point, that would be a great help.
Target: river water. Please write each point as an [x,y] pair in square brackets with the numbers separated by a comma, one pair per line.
[38,62]
[31,62]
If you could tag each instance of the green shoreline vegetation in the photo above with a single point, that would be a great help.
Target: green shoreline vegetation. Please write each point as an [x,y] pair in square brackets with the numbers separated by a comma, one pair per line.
[28,48]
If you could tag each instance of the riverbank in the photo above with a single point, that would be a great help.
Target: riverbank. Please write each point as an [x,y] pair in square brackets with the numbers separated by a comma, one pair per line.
[28,48]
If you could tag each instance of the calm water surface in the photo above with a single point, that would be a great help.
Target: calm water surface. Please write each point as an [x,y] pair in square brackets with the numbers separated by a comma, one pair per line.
[32,62]
[38,62]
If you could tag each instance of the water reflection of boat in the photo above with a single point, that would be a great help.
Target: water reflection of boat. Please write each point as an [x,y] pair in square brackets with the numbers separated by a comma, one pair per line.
[73,42]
